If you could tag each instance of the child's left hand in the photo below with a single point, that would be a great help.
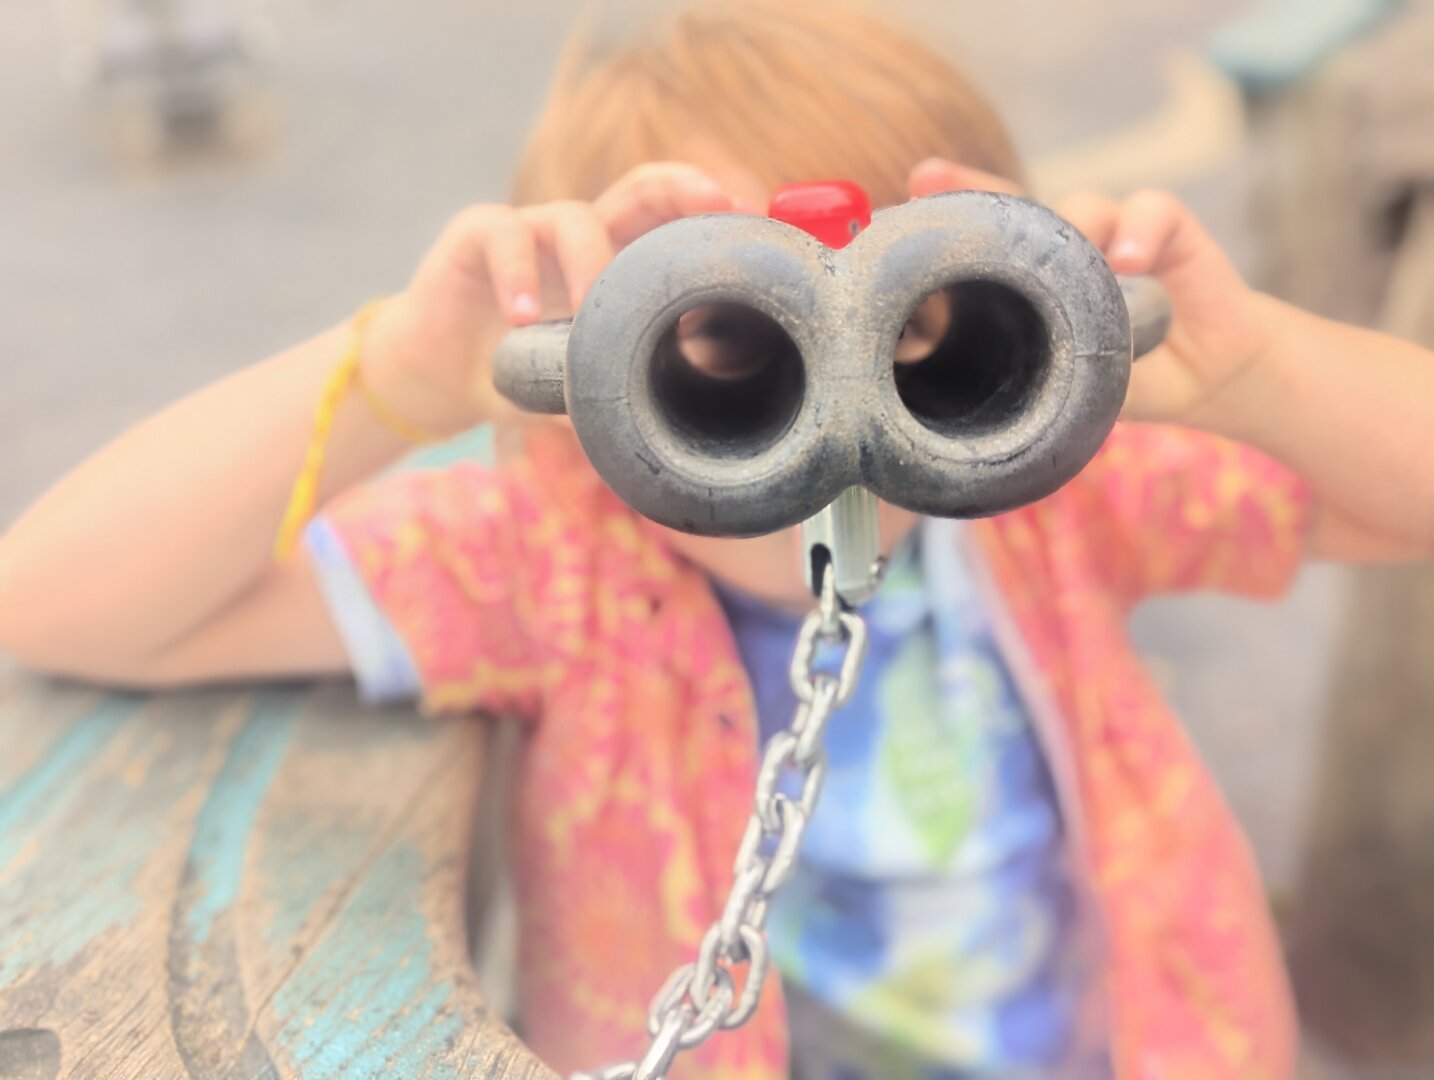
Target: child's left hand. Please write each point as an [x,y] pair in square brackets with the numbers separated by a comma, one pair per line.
[1215,335]
[1346,408]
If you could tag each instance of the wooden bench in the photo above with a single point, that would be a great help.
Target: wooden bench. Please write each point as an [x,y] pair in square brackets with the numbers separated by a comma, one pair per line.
[238,884]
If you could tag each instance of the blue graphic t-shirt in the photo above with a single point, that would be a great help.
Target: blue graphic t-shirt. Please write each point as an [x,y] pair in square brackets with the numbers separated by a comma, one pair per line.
[934,927]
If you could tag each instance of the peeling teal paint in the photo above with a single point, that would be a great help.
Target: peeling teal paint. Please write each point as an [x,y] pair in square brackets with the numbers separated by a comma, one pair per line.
[71,894]
[61,921]
[221,833]
[35,791]
[361,1005]
[299,866]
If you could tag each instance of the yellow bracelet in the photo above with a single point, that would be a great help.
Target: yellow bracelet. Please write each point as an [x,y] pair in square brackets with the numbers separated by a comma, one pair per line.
[390,419]
[306,488]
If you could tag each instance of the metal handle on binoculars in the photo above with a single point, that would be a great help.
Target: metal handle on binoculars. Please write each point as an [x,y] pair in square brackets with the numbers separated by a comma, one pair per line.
[528,367]
[1148,306]
[1029,382]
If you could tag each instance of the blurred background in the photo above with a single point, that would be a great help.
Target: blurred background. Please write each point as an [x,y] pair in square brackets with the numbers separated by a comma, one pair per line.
[189,185]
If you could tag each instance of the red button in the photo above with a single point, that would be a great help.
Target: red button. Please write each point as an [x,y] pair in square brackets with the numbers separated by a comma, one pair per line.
[833,211]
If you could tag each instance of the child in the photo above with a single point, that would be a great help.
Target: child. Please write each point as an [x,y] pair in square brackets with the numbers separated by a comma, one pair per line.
[1019,865]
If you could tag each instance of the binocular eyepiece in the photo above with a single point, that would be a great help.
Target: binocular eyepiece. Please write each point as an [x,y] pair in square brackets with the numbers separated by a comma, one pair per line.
[731,375]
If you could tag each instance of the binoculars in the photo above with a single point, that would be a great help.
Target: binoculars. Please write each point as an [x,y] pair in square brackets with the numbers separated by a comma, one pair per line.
[1011,400]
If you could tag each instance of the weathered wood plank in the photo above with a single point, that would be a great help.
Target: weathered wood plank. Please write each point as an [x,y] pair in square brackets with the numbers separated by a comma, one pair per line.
[1361,937]
[237,884]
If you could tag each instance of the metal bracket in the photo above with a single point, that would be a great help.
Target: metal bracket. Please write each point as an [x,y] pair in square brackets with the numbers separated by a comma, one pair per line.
[845,538]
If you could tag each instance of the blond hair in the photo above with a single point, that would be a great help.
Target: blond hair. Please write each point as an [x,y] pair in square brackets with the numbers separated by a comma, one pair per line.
[792,89]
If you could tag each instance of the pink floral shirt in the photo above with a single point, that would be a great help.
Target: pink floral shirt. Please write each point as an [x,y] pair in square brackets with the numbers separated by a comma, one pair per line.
[532,591]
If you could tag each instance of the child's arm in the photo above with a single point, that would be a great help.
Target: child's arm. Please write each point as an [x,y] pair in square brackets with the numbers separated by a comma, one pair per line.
[1351,410]
[122,570]
[151,564]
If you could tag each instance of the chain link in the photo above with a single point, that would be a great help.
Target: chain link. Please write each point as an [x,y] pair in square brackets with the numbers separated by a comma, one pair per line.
[701,997]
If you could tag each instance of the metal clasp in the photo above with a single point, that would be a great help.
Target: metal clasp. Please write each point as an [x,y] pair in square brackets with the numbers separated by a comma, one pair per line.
[845,539]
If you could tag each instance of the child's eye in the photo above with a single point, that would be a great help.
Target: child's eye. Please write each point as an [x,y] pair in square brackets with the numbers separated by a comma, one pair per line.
[729,341]
[925,329]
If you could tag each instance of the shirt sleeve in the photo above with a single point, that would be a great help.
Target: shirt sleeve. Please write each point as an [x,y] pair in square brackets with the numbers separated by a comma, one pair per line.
[1191,511]
[381,664]
[428,576]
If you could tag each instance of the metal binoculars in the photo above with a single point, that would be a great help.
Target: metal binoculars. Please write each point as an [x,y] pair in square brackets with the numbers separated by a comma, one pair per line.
[1012,402]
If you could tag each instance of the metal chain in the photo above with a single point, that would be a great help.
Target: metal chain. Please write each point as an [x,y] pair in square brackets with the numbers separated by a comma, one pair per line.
[701,997]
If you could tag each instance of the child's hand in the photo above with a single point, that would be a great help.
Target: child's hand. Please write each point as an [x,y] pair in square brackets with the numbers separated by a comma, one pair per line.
[496,267]
[1214,336]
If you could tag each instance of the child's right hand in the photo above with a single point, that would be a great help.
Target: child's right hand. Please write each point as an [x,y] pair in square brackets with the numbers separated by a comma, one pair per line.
[207,481]
[496,267]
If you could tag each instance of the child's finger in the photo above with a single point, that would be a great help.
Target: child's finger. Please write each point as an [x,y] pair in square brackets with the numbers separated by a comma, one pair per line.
[578,240]
[494,245]
[1148,223]
[1094,215]
[935,175]
[691,191]
[654,194]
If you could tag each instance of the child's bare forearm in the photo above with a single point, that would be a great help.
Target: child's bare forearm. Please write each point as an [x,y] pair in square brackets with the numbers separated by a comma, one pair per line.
[1353,411]
[174,521]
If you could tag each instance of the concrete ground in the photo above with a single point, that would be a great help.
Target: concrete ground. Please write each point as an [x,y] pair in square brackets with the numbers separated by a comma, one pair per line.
[127,282]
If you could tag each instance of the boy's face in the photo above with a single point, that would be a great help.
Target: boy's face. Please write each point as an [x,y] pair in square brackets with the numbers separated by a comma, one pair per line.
[770,567]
